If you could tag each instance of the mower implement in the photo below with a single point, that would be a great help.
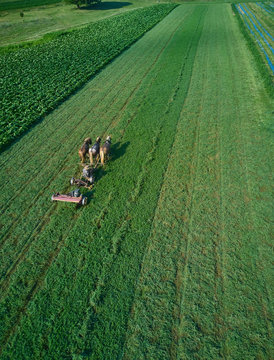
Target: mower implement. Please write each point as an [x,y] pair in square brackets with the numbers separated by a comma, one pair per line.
[81,182]
[71,197]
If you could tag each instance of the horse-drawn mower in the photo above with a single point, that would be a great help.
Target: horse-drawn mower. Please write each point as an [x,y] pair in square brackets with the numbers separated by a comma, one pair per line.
[73,197]
[86,180]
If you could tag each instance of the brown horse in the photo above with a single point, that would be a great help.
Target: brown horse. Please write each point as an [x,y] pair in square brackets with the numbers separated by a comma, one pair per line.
[105,150]
[83,151]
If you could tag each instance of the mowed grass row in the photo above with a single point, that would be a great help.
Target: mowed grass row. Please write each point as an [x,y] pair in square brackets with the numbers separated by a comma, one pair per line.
[204,289]
[92,236]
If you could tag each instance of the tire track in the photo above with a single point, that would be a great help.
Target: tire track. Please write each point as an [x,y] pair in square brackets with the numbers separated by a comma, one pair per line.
[181,290]
[217,245]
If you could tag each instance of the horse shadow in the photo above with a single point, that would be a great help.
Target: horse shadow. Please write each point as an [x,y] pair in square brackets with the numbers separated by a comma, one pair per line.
[118,150]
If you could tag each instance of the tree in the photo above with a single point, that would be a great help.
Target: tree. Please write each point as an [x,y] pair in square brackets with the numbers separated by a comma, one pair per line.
[83,2]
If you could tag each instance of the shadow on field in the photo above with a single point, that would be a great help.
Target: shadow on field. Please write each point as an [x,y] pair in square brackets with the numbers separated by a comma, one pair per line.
[106,5]
[118,150]
[99,173]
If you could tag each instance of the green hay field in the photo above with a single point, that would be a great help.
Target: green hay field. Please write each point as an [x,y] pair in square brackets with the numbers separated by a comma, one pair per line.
[171,258]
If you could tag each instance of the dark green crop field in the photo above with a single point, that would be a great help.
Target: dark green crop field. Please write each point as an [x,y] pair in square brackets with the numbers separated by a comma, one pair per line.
[22,4]
[171,258]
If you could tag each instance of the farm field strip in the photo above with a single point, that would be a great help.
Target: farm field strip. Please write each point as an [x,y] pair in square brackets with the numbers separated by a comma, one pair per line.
[33,168]
[260,34]
[257,27]
[17,234]
[263,8]
[171,258]
[189,279]
[56,71]
[59,132]
[21,271]
[258,22]
[121,279]
[265,19]
[223,239]
[169,261]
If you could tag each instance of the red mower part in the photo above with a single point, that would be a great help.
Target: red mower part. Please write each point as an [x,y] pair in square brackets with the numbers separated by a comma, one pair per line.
[81,200]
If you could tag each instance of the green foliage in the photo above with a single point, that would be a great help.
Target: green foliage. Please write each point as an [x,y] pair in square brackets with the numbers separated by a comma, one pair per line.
[34,80]
[22,4]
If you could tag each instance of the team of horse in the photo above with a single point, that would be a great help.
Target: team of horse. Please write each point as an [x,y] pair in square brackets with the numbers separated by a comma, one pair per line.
[96,152]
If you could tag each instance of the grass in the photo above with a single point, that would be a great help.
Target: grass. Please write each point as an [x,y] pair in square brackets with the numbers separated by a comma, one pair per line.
[102,250]
[39,21]
[199,277]
[171,258]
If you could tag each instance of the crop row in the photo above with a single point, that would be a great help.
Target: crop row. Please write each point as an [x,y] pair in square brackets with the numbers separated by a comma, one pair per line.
[256,49]
[35,80]
[260,34]
[267,7]
[261,30]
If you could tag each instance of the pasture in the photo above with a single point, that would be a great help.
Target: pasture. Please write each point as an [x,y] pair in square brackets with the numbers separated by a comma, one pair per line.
[171,258]
[41,21]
